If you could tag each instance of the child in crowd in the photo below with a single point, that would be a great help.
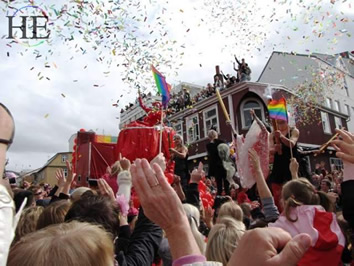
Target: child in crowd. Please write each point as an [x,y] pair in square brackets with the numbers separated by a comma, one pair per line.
[307,210]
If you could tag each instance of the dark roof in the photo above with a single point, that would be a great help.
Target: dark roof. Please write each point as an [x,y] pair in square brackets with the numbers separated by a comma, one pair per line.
[47,163]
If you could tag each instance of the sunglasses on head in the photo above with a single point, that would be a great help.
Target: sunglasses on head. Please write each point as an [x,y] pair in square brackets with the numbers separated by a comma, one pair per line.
[38,193]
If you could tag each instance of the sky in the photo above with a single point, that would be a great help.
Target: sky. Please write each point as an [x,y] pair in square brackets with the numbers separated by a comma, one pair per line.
[99,52]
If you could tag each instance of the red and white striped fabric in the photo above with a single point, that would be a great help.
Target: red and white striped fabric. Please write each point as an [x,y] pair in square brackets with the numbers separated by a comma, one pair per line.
[327,238]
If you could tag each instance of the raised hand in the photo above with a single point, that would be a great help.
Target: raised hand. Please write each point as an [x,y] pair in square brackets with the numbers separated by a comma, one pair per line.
[60,177]
[162,206]
[160,160]
[344,146]
[160,202]
[197,174]
[125,164]
[253,155]
[208,218]
[105,189]
[71,175]
[260,247]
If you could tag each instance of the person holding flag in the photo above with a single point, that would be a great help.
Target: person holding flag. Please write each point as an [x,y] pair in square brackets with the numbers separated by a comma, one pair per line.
[282,145]
[155,115]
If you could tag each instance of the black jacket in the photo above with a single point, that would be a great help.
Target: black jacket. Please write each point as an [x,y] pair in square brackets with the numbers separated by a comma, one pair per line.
[214,161]
[142,245]
[348,201]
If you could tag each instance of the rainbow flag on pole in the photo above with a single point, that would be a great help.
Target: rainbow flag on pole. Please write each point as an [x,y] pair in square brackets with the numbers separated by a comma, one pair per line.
[163,87]
[277,109]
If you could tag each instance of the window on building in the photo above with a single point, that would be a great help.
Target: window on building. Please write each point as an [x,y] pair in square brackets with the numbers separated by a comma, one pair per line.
[246,106]
[65,172]
[211,120]
[338,122]
[325,123]
[178,128]
[64,157]
[192,128]
[329,103]
[346,91]
[347,109]
[336,163]
[337,106]
[346,88]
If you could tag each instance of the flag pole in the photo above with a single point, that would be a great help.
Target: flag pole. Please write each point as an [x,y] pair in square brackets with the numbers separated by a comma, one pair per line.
[290,146]
[161,128]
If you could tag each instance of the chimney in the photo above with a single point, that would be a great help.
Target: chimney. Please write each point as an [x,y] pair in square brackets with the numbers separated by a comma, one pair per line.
[217,69]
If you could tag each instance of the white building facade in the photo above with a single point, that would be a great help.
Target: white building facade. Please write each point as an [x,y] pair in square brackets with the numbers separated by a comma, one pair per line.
[292,70]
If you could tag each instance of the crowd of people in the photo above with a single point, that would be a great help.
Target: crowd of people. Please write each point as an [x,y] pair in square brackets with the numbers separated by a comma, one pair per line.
[283,219]
[183,99]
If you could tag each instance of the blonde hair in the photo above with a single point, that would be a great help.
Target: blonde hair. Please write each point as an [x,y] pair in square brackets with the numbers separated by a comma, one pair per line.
[299,192]
[212,134]
[53,214]
[77,193]
[231,209]
[116,168]
[223,239]
[70,244]
[193,215]
[28,221]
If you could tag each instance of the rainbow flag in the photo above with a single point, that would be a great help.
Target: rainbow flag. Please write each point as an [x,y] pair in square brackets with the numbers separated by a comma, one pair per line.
[163,87]
[277,109]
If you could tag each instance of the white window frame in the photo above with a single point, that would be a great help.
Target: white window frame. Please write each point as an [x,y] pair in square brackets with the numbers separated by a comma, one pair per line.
[346,88]
[205,119]
[338,163]
[347,109]
[329,103]
[325,115]
[180,132]
[338,122]
[65,170]
[189,118]
[336,105]
[64,157]
[241,111]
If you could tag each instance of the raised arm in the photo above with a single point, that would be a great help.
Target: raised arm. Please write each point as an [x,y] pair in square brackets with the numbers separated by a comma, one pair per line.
[259,122]
[235,67]
[182,154]
[270,247]
[192,192]
[262,186]
[238,62]
[162,205]
[294,168]
[271,143]
[70,178]
[291,142]
[345,151]
[142,105]
[270,210]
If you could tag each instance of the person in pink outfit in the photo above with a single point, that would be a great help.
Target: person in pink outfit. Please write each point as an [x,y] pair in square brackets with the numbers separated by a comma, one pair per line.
[307,210]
